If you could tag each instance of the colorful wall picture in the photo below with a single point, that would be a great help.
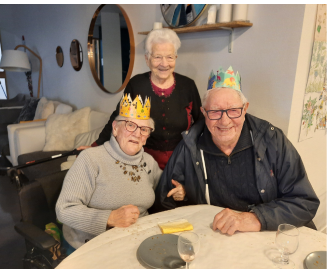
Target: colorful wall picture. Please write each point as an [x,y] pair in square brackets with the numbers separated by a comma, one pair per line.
[315,98]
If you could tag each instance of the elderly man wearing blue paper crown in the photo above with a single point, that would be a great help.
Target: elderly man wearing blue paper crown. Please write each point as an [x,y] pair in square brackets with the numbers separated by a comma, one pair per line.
[240,162]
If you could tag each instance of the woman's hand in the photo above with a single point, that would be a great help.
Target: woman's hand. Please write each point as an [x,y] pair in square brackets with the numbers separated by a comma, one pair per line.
[83,147]
[123,217]
[178,193]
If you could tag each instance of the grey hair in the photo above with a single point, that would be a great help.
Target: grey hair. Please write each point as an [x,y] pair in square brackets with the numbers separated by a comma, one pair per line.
[160,36]
[151,121]
[207,93]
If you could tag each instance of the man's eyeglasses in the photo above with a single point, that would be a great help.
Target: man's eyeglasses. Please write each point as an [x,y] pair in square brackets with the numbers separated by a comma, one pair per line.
[218,114]
[158,58]
[132,127]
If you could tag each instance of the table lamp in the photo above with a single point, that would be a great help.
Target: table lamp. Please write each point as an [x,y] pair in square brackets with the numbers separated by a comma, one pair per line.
[15,60]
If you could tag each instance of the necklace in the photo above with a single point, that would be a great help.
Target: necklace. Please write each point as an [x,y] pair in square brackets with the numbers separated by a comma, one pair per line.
[166,92]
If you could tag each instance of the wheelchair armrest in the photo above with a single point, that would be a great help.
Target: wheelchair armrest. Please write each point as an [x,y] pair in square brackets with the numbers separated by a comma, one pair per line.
[35,235]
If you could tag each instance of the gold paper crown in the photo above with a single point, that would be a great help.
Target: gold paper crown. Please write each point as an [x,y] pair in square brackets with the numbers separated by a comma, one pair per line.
[135,109]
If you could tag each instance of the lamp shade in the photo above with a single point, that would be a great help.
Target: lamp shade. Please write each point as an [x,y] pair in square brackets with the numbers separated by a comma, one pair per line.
[15,60]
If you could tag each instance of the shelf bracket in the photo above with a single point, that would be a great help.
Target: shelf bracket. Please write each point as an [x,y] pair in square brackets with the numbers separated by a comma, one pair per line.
[231,38]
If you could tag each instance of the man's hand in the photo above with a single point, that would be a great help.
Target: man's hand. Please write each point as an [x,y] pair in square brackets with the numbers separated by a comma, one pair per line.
[83,147]
[178,193]
[123,217]
[228,221]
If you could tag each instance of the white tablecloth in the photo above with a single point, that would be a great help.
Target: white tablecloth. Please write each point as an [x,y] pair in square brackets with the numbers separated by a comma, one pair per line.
[117,247]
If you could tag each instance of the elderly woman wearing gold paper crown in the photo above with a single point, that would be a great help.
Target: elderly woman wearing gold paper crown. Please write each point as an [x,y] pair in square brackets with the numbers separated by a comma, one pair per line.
[175,98]
[113,184]
[240,162]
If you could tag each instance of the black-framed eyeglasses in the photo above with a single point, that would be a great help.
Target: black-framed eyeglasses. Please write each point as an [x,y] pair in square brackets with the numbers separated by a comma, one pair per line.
[132,127]
[218,114]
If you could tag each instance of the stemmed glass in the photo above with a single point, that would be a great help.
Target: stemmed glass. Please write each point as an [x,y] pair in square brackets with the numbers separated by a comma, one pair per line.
[287,241]
[188,245]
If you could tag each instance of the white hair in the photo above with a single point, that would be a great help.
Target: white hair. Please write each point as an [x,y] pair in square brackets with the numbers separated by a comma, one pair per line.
[207,93]
[161,36]
[150,120]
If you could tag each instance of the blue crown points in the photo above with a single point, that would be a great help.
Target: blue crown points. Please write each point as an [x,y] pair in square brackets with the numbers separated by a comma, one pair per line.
[224,78]
[211,80]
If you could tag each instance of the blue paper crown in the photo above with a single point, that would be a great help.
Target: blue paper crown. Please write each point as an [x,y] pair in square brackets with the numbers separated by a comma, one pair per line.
[225,79]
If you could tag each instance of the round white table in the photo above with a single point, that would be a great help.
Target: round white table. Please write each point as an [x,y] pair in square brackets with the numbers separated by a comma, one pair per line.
[117,247]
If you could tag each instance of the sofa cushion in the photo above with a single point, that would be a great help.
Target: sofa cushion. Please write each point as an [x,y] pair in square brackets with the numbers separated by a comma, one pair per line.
[61,129]
[28,110]
[86,139]
[63,109]
[44,109]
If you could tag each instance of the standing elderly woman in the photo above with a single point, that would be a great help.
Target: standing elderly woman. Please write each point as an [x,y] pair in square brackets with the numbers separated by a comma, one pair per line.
[113,184]
[175,98]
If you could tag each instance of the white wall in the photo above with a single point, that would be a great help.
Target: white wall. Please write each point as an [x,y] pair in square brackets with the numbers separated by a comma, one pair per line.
[313,150]
[266,55]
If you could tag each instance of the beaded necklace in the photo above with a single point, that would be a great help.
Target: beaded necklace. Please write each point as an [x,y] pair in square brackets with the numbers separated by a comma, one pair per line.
[166,92]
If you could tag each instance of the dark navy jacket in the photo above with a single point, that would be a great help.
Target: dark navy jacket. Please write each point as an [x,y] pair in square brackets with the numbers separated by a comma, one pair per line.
[286,193]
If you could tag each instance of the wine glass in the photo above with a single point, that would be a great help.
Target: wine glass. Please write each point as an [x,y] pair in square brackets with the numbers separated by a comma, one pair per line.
[188,245]
[287,241]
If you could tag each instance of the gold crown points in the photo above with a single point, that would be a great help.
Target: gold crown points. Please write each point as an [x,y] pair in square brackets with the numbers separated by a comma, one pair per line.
[136,108]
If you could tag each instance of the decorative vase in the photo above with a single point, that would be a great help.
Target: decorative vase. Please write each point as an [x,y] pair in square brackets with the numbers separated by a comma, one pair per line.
[240,12]
[225,13]
[212,15]
[157,25]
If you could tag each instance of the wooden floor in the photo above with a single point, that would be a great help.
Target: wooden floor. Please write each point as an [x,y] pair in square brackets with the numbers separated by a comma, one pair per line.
[12,245]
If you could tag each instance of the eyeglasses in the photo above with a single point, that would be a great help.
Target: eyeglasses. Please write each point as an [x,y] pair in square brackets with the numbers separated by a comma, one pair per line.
[218,114]
[158,58]
[132,127]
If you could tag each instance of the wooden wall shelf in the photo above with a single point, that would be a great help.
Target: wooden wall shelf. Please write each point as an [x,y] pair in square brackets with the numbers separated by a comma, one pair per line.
[235,24]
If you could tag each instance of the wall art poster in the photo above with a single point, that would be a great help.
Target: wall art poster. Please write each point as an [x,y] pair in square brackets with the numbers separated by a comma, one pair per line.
[315,98]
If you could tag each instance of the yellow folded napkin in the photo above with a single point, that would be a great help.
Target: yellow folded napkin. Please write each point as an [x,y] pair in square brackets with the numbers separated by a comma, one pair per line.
[175,226]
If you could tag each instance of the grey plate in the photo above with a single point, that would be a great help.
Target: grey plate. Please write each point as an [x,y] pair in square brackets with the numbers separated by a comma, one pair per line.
[315,260]
[160,251]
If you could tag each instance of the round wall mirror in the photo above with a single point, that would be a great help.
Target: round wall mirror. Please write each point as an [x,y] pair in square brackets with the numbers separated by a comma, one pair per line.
[59,56]
[111,48]
[181,15]
[76,55]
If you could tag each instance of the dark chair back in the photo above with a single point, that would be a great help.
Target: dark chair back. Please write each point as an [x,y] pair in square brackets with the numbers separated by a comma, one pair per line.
[38,199]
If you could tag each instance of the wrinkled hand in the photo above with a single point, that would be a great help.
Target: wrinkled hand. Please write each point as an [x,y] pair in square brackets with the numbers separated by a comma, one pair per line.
[123,217]
[228,221]
[178,192]
[83,147]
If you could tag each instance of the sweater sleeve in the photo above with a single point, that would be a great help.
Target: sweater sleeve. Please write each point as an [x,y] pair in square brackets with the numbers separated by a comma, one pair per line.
[72,205]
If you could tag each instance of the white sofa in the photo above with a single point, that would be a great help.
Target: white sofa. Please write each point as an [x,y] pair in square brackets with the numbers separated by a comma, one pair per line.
[30,137]
[17,145]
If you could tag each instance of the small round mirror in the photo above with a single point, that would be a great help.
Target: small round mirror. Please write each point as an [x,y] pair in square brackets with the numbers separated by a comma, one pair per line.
[59,56]
[181,15]
[76,55]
